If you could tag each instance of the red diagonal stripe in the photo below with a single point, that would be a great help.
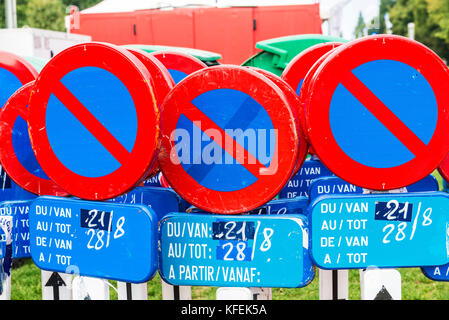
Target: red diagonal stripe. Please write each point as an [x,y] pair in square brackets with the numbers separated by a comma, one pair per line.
[383,114]
[238,152]
[23,112]
[95,127]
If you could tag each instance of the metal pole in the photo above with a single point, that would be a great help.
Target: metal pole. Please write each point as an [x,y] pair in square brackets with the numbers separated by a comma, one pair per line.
[11,14]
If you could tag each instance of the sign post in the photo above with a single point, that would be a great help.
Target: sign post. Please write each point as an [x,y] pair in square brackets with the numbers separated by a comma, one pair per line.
[6,227]
[132,291]
[175,292]
[380,284]
[87,288]
[333,284]
[56,286]
[225,293]
[162,201]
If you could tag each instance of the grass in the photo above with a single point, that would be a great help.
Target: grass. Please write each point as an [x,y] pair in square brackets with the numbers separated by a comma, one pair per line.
[26,285]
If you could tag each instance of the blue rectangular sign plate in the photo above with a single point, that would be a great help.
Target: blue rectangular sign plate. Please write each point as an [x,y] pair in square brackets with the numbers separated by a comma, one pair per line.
[296,205]
[437,273]
[161,200]
[20,231]
[298,186]
[96,239]
[334,185]
[236,251]
[380,230]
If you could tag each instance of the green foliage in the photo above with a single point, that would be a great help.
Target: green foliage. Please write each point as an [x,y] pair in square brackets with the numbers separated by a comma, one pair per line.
[81,4]
[385,6]
[431,18]
[358,32]
[43,14]
[26,285]
[439,15]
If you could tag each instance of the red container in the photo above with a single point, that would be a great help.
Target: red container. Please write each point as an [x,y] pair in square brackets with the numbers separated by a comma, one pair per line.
[232,32]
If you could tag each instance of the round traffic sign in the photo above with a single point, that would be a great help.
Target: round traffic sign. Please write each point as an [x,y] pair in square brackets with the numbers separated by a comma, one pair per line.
[14,73]
[378,112]
[294,103]
[161,80]
[229,139]
[297,69]
[304,95]
[162,83]
[16,155]
[179,65]
[93,121]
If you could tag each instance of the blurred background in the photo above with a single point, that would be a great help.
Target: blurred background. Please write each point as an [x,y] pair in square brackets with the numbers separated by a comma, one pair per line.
[231,28]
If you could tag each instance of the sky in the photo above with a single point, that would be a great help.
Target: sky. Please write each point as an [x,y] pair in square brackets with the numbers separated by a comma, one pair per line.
[350,14]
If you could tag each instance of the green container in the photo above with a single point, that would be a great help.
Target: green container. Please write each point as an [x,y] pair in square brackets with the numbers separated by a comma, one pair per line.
[278,52]
[209,58]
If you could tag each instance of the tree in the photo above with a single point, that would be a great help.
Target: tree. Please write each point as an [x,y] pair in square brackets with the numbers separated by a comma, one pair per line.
[45,14]
[384,7]
[429,19]
[20,10]
[360,27]
[439,15]
[81,4]
[400,15]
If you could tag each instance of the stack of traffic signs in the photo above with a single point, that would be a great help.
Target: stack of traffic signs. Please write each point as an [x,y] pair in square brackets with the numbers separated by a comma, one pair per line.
[100,119]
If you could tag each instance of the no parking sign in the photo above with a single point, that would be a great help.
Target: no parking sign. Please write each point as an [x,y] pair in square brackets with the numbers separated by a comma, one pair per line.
[297,69]
[378,112]
[14,72]
[94,125]
[229,140]
[161,81]
[16,155]
[294,105]
[179,65]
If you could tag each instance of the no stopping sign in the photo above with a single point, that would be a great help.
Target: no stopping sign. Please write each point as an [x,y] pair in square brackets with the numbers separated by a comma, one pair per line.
[94,121]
